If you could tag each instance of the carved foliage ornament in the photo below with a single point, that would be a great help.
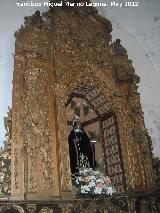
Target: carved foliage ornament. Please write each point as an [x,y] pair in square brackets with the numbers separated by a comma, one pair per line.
[36,125]
[5,157]
[16,172]
[44,22]
[5,174]
[62,90]
[11,207]
[46,210]
[83,63]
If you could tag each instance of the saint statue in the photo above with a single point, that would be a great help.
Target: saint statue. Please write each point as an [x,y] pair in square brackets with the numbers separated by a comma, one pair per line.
[81,150]
[8,124]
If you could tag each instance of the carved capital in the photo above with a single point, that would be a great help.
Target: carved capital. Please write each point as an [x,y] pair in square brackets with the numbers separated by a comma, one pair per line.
[66,207]
[132,205]
[31,208]
[153,204]
[46,210]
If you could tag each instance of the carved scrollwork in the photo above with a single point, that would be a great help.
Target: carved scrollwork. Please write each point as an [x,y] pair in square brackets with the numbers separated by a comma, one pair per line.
[66,208]
[36,126]
[31,208]
[122,73]
[11,207]
[5,157]
[80,54]
[62,135]
[48,21]
[132,204]
[156,166]
[138,135]
[145,206]
[5,174]
[32,152]
[135,103]
[46,210]
[16,171]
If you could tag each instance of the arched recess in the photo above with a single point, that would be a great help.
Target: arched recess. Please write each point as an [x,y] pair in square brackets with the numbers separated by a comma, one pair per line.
[63,88]
[108,128]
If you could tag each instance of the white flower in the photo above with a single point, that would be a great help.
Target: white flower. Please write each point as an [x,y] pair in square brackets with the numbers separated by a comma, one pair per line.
[77,182]
[98,190]
[92,177]
[93,181]
[85,189]
[91,184]
[99,181]
[110,191]
[79,178]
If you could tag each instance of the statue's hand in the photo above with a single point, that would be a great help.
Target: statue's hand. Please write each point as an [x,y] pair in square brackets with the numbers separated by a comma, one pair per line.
[76,140]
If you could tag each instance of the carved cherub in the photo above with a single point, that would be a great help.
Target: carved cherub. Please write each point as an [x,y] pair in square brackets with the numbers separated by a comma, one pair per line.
[8,122]
[34,20]
[119,49]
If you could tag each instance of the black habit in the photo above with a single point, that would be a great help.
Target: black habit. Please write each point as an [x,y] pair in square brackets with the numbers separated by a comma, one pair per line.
[79,143]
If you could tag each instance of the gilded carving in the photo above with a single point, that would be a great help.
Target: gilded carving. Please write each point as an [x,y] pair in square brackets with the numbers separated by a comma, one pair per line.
[84,76]
[132,205]
[11,207]
[8,123]
[66,207]
[36,126]
[32,152]
[17,99]
[66,53]
[34,20]
[156,166]
[46,210]
[18,208]
[153,204]
[15,125]
[144,206]
[118,48]
[31,207]
[5,157]
[105,205]
[62,136]
[16,172]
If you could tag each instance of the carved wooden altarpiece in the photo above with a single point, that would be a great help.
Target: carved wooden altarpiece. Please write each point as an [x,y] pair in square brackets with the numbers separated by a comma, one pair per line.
[64,53]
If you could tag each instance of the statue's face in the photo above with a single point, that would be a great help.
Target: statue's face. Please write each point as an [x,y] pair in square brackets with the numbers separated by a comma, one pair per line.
[78,125]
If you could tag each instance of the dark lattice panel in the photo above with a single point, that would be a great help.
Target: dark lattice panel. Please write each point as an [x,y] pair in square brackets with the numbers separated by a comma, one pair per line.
[94,97]
[93,94]
[112,153]
[83,89]
[98,101]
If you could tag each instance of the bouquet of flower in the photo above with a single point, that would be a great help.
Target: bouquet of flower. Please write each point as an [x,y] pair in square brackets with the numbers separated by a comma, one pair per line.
[93,182]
